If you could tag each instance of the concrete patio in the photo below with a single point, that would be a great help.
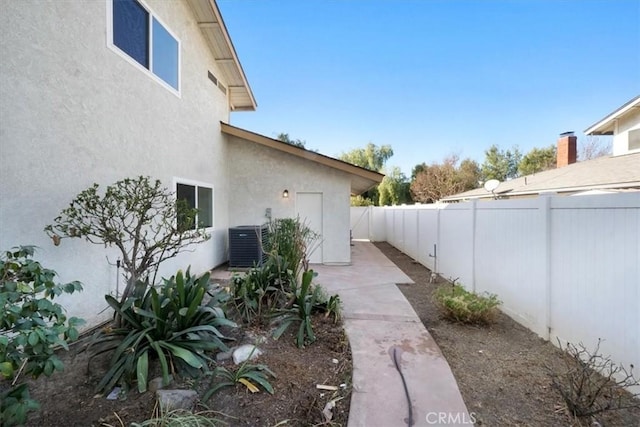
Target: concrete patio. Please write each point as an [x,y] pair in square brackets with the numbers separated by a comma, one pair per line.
[379,322]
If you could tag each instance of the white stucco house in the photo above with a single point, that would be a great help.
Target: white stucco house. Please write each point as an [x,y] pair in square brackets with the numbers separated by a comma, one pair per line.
[100,90]
[624,125]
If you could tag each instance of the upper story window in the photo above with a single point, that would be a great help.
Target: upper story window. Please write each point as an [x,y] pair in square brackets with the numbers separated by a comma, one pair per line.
[143,38]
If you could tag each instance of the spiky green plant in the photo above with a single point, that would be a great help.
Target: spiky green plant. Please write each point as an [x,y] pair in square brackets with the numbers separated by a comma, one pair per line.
[172,324]
[248,374]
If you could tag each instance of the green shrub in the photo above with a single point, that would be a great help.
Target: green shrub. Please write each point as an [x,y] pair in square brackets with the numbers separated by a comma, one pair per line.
[248,374]
[173,324]
[259,291]
[306,298]
[294,241]
[463,306]
[31,328]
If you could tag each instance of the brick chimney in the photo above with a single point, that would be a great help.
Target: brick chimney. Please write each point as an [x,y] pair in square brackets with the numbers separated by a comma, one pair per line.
[567,149]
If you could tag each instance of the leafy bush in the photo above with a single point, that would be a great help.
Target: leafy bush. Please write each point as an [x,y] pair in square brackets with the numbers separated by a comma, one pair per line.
[31,327]
[292,240]
[463,306]
[258,292]
[173,324]
[591,383]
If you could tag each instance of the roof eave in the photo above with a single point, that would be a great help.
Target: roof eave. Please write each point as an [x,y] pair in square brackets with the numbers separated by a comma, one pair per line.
[361,179]
[606,126]
[610,186]
[208,16]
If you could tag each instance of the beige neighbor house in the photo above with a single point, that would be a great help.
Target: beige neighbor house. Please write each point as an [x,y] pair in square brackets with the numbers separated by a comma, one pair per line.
[100,90]
[615,173]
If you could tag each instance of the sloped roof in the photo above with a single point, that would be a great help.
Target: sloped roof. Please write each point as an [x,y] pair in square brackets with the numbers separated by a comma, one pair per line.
[611,172]
[210,22]
[361,179]
[606,126]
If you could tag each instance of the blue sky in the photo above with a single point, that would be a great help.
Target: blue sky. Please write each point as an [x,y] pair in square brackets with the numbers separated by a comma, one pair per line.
[433,77]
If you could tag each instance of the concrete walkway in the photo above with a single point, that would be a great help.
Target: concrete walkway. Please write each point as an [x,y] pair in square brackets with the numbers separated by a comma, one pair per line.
[379,322]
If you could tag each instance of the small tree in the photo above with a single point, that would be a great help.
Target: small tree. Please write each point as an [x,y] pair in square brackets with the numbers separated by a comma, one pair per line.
[538,160]
[433,182]
[138,216]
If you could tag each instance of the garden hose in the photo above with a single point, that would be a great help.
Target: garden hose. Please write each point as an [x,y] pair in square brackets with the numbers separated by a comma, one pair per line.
[404,383]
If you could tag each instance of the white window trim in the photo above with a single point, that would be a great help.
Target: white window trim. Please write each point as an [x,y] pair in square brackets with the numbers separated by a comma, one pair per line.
[197,184]
[135,63]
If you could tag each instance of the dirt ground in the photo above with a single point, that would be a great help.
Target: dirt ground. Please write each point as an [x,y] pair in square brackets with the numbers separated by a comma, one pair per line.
[68,398]
[500,369]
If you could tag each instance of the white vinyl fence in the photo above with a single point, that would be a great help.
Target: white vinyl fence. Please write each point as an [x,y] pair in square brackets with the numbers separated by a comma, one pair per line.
[567,268]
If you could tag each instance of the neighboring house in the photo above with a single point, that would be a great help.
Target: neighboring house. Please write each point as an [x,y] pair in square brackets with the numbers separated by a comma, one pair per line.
[624,125]
[619,172]
[99,90]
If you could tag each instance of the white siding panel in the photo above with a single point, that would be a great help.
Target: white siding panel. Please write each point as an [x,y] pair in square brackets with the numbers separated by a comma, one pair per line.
[411,232]
[456,243]
[510,259]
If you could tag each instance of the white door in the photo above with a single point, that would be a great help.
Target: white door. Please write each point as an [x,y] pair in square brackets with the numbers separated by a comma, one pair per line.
[309,209]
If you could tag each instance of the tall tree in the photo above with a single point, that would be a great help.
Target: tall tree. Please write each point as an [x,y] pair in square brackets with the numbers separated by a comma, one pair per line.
[394,188]
[438,180]
[370,157]
[538,160]
[500,164]
[284,137]
[593,147]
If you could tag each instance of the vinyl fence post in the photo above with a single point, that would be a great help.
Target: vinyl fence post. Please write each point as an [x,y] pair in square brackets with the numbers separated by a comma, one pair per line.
[546,215]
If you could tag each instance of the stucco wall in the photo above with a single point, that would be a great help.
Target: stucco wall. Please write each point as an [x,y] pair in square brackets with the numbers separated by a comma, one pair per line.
[258,177]
[74,112]
[621,137]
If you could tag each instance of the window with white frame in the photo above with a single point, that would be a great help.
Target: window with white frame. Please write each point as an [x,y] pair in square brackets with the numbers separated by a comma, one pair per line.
[634,139]
[197,197]
[137,33]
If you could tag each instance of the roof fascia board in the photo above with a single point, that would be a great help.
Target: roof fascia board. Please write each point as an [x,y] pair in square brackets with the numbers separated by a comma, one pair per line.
[232,48]
[617,186]
[301,152]
[211,6]
[607,121]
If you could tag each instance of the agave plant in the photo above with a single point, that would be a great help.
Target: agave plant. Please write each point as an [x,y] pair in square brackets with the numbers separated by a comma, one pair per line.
[262,289]
[306,298]
[171,323]
[248,374]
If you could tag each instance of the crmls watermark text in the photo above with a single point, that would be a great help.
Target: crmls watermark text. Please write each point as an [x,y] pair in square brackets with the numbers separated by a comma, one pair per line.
[444,418]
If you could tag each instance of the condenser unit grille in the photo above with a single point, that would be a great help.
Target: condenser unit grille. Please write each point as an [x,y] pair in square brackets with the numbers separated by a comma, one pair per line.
[245,245]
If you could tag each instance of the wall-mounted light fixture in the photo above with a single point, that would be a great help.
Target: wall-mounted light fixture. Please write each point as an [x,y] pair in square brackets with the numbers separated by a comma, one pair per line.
[285,194]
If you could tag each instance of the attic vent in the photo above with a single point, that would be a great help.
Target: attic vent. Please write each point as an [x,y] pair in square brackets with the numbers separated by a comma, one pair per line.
[245,245]
[213,78]
[217,82]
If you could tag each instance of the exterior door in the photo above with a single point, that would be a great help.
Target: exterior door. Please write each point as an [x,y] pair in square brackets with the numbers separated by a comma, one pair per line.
[309,209]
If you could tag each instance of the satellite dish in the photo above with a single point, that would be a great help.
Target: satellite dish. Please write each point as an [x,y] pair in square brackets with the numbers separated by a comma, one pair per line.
[491,185]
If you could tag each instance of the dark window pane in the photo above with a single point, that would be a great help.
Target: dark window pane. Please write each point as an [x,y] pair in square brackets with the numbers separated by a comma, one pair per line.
[165,55]
[186,197]
[205,206]
[131,30]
